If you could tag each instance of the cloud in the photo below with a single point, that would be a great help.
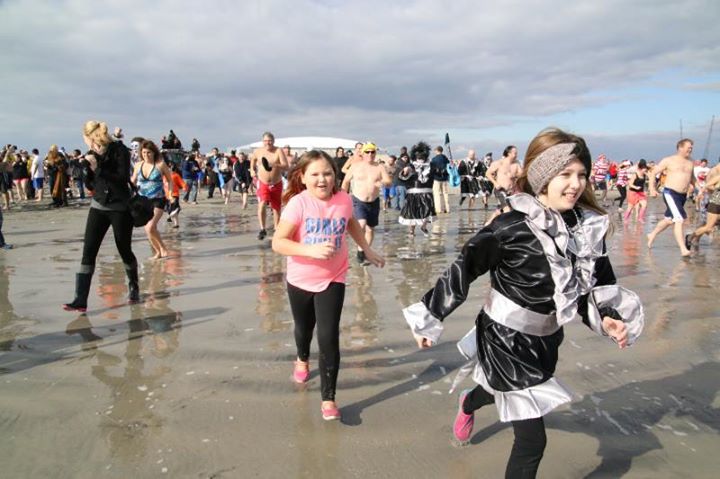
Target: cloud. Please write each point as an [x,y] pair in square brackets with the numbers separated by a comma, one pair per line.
[225,71]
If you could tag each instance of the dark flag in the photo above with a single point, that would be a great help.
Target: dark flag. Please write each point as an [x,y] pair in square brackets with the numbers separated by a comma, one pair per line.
[447,145]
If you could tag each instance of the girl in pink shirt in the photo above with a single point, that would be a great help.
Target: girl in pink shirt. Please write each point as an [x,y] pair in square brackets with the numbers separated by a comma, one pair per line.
[312,233]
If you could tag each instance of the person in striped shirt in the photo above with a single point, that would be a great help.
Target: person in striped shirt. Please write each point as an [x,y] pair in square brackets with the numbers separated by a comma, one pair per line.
[600,171]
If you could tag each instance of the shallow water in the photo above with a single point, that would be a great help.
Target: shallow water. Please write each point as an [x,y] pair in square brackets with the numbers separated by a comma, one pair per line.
[195,380]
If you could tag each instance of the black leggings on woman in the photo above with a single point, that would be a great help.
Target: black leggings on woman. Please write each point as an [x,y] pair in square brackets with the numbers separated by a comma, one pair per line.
[98,222]
[324,309]
[530,439]
[623,194]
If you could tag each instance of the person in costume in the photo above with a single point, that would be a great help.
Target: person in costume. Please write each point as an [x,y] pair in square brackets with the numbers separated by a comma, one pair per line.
[548,264]
[419,206]
[469,185]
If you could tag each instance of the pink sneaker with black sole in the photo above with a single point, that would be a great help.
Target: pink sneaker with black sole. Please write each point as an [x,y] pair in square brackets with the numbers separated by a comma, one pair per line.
[463,425]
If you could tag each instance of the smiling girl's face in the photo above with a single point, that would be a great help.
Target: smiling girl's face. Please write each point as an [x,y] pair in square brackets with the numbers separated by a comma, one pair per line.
[319,179]
[565,189]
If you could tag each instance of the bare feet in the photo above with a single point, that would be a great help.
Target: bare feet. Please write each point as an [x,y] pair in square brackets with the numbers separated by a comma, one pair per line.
[650,239]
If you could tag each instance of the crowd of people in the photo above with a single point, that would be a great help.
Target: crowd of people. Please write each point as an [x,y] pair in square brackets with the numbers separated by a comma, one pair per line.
[543,246]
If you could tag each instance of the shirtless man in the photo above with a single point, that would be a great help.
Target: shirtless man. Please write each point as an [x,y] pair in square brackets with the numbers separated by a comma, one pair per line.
[679,176]
[268,163]
[367,177]
[503,174]
[355,157]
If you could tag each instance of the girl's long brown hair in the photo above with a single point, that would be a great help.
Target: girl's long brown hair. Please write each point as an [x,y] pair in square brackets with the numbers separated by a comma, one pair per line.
[550,137]
[295,185]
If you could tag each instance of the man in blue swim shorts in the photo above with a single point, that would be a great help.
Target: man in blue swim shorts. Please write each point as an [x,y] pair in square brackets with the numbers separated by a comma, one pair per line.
[678,169]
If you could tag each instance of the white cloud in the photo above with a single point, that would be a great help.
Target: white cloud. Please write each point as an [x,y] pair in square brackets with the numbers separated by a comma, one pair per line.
[225,71]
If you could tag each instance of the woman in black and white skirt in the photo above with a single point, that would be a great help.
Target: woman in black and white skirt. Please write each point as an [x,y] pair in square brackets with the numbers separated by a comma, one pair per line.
[419,206]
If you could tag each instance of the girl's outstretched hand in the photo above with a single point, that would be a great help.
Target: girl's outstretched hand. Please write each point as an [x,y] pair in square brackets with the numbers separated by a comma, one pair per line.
[321,250]
[616,330]
[423,342]
[374,258]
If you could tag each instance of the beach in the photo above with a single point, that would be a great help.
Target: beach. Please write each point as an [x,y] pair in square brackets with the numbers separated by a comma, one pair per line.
[194,381]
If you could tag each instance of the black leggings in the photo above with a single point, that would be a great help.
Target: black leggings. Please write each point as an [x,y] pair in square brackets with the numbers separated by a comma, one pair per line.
[324,309]
[530,439]
[623,193]
[98,222]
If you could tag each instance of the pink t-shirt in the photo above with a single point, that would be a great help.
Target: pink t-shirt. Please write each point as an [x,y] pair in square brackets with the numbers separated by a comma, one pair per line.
[318,221]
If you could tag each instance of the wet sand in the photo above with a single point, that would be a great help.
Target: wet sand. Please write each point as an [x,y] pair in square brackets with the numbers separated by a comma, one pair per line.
[195,380]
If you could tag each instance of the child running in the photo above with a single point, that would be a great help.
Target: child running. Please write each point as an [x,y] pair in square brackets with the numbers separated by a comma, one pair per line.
[173,207]
[312,234]
[547,262]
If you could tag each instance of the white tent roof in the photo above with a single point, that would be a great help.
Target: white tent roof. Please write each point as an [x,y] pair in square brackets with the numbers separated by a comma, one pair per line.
[304,143]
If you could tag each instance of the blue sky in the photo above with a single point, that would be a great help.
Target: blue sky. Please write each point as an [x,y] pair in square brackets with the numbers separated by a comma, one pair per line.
[622,74]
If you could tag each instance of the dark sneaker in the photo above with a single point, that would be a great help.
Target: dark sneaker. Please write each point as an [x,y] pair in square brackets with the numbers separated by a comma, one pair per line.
[688,241]
[361,257]
[262,234]
[425,231]
[6,246]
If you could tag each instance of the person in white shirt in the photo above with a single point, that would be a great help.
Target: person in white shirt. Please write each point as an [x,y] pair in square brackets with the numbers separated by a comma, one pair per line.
[37,173]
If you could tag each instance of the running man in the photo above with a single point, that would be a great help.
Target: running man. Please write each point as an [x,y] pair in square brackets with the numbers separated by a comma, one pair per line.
[503,174]
[267,164]
[367,177]
[678,170]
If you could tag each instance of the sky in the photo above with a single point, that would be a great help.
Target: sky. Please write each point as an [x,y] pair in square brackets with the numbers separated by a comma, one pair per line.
[629,76]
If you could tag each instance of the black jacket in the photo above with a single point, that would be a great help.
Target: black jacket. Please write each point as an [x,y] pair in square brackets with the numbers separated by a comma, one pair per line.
[112,175]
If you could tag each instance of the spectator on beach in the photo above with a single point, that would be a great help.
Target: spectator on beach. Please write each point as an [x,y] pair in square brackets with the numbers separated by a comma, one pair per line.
[400,182]
[195,146]
[340,160]
[56,166]
[21,175]
[441,181]
[37,174]
[78,164]
[190,170]
[211,171]
[6,162]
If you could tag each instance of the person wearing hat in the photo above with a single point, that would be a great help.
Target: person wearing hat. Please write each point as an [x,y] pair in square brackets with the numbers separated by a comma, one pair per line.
[547,262]
[366,177]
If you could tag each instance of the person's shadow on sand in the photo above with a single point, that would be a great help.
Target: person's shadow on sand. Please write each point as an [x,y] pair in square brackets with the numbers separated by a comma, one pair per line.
[444,360]
[624,419]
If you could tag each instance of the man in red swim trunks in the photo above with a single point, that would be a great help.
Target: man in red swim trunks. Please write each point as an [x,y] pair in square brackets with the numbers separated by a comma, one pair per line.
[267,163]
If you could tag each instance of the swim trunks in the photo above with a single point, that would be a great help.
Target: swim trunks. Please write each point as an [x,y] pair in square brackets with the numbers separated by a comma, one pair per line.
[368,211]
[271,194]
[675,203]
[714,203]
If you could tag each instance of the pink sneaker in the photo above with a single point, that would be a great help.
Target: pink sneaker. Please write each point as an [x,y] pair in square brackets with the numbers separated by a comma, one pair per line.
[301,376]
[463,425]
[331,413]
